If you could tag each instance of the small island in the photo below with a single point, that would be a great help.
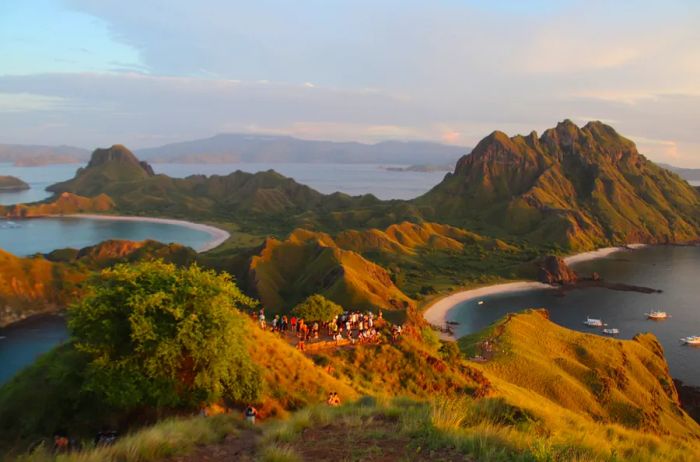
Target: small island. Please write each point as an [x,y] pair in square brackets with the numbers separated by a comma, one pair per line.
[11,183]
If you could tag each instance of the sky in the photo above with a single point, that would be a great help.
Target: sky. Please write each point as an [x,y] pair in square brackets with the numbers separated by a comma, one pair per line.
[95,73]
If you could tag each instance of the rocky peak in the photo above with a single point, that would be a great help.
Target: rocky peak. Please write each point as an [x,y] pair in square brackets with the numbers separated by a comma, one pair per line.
[117,154]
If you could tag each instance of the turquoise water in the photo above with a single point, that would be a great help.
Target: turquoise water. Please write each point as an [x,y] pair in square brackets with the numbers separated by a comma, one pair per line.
[26,237]
[675,270]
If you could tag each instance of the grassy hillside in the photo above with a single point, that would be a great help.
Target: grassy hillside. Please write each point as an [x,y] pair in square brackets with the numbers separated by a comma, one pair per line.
[576,187]
[33,285]
[556,372]
[286,272]
[40,284]
[64,204]
[539,398]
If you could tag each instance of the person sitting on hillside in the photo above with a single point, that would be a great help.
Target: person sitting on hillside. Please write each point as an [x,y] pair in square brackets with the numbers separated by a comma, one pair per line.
[333,399]
[301,345]
[250,414]
[315,330]
[60,442]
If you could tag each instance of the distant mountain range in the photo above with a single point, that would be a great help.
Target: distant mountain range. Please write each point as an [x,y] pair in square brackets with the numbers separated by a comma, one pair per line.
[227,148]
[33,155]
[688,174]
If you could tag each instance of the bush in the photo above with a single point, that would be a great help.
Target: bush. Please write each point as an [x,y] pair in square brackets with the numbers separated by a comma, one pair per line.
[317,308]
[158,335]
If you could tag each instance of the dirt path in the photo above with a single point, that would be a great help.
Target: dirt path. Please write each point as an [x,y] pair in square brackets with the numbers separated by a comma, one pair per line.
[239,447]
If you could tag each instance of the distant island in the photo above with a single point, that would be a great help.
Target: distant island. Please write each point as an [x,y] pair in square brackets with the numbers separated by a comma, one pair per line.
[421,168]
[11,183]
[22,155]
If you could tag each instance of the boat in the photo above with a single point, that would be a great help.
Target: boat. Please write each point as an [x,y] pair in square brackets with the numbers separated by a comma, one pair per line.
[480,302]
[612,331]
[657,315]
[593,322]
[692,340]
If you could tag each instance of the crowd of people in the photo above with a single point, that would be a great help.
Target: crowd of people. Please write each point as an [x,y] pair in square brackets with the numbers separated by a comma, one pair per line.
[354,326]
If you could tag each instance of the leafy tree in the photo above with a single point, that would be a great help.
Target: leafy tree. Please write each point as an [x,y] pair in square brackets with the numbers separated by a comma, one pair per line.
[165,336]
[317,308]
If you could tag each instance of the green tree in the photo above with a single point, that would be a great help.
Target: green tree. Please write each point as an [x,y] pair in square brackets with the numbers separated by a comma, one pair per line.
[317,308]
[159,335]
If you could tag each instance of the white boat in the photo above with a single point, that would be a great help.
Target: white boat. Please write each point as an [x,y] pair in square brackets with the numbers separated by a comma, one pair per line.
[480,302]
[657,315]
[593,322]
[692,340]
[612,331]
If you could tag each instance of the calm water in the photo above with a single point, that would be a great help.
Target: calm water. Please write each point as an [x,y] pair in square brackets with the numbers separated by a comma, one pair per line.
[22,342]
[26,237]
[38,179]
[675,270]
[352,179]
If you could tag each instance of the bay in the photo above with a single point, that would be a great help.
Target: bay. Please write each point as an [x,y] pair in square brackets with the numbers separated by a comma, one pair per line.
[673,269]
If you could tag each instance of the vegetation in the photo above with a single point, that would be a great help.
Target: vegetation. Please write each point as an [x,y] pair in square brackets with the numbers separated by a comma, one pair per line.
[158,335]
[317,308]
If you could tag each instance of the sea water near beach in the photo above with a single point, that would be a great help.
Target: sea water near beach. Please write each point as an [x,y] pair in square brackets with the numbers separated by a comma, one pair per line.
[673,269]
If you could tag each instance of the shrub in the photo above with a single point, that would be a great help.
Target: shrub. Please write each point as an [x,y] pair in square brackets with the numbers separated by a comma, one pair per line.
[160,335]
[317,308]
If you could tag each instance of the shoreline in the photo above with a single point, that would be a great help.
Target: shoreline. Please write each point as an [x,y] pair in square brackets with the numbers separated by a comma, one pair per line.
[218,235]
[436,313]
[600,253]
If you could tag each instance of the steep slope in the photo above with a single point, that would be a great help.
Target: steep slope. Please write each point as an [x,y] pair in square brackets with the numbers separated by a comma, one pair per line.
[575,187]
[546,368]
[106,167]
[285,272]
[32,285]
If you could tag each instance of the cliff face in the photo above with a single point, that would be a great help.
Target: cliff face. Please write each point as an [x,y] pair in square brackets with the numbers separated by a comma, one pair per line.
[553,270]
[106,167]
[575,187]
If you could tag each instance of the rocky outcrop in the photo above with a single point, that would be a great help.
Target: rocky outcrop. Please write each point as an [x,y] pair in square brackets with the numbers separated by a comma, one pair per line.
[576,187]
[554,270]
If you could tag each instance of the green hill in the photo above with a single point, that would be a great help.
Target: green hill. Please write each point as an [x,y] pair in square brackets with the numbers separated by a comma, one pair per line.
[577,187]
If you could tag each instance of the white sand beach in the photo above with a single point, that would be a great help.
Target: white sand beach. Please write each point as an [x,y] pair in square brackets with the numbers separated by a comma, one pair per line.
[600,253]
[436,314]
[218,236]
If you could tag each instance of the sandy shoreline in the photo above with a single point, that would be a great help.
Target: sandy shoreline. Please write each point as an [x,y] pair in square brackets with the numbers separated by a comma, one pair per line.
[600,253]
[436,313]
[218,236]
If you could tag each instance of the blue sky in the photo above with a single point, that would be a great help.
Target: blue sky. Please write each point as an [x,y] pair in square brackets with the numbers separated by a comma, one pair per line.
[93,73]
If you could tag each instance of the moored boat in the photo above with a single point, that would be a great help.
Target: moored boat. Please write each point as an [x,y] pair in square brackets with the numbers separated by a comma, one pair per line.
[657,315]
[593,322]
[613,331]
[692,340]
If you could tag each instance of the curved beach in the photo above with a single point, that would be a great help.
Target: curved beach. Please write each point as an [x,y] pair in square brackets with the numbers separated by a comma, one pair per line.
[218,235]
[436,313]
